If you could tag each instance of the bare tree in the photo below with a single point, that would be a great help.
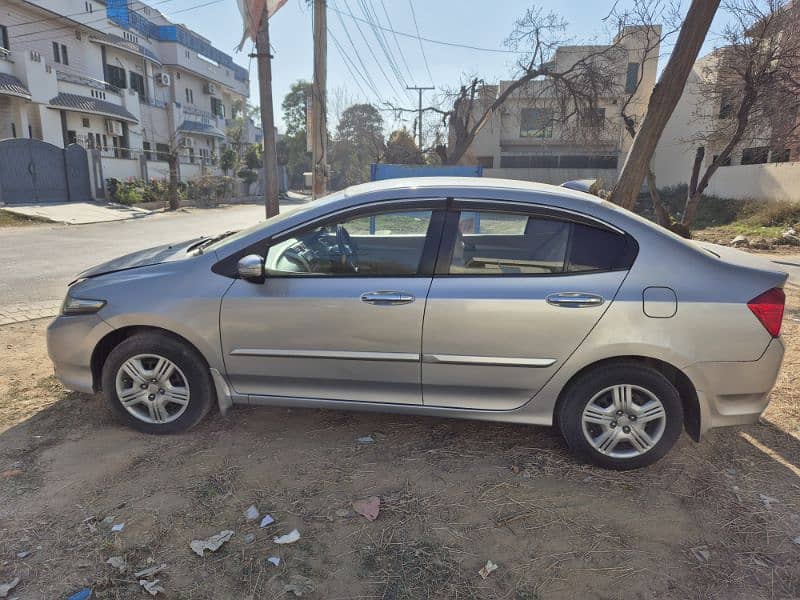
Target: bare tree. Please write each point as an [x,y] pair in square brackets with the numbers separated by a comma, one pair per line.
[571,89]
[663,100]
[749,91]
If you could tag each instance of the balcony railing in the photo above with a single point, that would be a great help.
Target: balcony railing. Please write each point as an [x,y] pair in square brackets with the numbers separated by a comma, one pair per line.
[96,84]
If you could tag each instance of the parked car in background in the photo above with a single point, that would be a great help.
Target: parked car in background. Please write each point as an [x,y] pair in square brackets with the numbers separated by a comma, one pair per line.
[476,298]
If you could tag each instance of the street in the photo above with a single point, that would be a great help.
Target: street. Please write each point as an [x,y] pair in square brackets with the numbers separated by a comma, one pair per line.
[38,262]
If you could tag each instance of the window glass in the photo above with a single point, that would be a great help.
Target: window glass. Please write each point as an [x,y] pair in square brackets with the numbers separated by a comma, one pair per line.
[385,244]
[536,122]
[493,243]
[594,249]
[632,78]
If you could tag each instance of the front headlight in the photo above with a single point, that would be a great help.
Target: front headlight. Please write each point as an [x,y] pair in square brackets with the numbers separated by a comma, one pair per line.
[81,306]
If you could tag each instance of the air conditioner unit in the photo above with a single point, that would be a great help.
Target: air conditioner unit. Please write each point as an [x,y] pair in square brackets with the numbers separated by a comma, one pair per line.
[113,127]
[211,89]
[163,79]
[187,142]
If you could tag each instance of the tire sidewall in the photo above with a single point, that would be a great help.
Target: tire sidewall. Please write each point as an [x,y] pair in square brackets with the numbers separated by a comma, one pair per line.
[185,358]
[578,395]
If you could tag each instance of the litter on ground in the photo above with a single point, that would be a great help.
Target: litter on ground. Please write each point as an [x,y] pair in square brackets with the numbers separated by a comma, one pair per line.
[275,560]
[299,585]
[289,538]
[267,520]
[213,543]
[5,588]
[150,571]
[151,587]
[487,569]
[367,439]
[249,538]
[369,508]
[83,594]
[118,563]
[701,553]
[118,527]
[251,514]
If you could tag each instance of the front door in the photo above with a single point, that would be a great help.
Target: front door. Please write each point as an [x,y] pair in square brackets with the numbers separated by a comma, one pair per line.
[339,316]
[513,297]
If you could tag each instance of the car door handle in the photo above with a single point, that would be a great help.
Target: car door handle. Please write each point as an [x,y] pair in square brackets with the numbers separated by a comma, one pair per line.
[387,297]
[575,299]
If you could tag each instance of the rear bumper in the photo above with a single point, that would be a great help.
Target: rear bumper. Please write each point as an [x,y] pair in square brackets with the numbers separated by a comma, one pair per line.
[735,393]
[70,343]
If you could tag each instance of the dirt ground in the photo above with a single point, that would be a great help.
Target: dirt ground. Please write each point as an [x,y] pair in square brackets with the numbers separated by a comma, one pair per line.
[711,520]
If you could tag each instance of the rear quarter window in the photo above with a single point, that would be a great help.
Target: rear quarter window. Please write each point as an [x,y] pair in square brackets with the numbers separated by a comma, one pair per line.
[594,249]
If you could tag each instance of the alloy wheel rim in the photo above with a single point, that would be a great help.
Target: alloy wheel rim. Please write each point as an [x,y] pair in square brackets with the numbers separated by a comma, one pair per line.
[624,421]
[152,388]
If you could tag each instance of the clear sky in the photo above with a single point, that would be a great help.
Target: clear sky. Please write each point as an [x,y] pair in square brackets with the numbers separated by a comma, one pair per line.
[472,22]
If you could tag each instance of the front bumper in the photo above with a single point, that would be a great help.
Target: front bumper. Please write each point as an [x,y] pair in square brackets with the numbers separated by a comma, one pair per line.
[735,393]
[70,343]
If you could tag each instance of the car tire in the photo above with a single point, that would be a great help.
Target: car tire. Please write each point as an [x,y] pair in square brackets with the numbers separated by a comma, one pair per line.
[598,431]
[148,394]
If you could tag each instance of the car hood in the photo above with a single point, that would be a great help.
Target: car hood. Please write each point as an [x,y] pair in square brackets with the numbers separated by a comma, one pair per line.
[142,258]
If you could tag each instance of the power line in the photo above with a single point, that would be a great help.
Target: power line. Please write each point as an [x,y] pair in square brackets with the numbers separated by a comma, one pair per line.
[397,43]
[383,42]
[347,64]
[421,47]
[368,77]
[430,40]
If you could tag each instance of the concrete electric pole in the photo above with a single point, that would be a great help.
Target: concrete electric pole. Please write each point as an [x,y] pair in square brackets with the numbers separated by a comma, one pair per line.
[264,56]
[319,106]
[419,116]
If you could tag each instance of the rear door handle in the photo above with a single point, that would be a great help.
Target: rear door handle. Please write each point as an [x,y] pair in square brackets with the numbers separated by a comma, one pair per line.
[387,297]
[575,299]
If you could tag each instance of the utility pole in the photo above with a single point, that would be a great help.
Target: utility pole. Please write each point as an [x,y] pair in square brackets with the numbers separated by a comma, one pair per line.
[319,106]
[267,117]
[419,117]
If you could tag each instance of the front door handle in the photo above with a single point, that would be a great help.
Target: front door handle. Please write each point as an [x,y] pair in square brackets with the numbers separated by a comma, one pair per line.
[575,299]
[387,297]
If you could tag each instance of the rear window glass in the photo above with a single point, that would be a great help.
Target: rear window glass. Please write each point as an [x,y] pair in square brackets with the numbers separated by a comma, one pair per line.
[594,249]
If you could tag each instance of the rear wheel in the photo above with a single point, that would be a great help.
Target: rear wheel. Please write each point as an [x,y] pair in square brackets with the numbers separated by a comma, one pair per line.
[624,416]
[157,384]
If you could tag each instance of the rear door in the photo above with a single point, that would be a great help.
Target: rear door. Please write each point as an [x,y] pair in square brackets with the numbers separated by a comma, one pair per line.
[516,290]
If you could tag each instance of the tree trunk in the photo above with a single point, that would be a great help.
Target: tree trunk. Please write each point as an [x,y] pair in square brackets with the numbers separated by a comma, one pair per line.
[663,217]
[693,195]
[663,100]
[172,161]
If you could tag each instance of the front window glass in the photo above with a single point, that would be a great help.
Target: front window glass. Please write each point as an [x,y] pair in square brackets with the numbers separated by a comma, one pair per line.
[385,244]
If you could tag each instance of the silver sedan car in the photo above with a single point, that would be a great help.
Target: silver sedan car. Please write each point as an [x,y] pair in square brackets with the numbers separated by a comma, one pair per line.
[474,298]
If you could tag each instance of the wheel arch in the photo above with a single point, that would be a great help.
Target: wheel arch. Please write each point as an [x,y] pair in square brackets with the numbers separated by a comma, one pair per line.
[684,385]
[112,339]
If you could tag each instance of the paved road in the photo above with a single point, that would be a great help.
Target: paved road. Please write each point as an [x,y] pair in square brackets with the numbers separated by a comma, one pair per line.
[37,262]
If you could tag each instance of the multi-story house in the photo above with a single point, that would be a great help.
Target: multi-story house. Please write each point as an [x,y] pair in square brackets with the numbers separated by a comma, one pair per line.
[117,77]
[527,138]
[765,163]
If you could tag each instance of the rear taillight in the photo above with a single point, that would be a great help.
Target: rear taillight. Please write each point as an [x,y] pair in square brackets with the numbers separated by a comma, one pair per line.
[768,308]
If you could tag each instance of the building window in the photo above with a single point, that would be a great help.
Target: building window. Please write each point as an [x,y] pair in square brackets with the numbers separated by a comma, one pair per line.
[72,137]
[724,163]
[13,130]
[115,76]
[536,122]
[60,53]
[594,119]
[89,7]
[191,155]
[755,156]
[85,122]
[632,78]
[4,37]
[487,162]
[56,52]
[146,148]
[782,155]
[97,141]
[137,83]
[217,107]
[189,96]
[725,106]
[162,151]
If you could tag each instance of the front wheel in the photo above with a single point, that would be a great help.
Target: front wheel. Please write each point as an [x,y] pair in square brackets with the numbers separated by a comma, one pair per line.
[157,384]
[621,417]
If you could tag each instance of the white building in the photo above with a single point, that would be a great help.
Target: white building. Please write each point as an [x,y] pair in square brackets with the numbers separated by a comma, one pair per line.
[525,139]
[118,77]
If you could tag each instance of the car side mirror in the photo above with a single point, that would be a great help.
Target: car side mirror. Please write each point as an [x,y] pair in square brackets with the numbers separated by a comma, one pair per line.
[251,268]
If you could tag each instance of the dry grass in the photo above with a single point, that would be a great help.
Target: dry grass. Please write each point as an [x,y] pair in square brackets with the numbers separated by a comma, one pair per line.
[454,494]
[10,219]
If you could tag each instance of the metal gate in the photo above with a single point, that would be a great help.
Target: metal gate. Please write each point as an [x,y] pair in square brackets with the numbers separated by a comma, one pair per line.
[33,171]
